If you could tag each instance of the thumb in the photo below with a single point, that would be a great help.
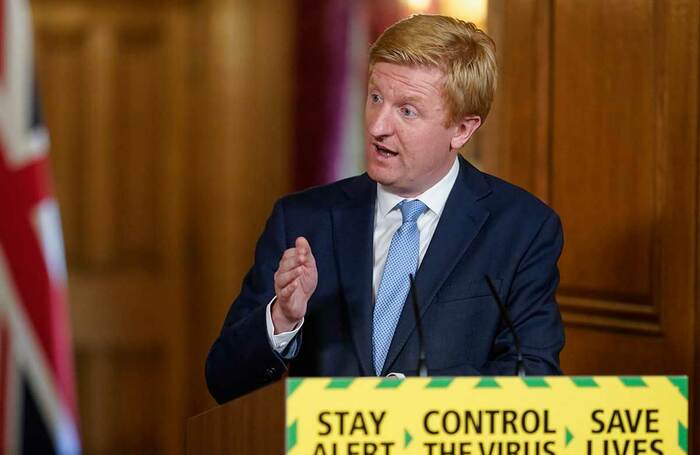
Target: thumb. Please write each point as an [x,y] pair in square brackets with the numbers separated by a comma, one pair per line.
[302,245]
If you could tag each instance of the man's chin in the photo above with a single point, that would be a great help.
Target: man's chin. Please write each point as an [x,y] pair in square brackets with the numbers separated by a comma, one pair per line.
[380,177]
[389,183]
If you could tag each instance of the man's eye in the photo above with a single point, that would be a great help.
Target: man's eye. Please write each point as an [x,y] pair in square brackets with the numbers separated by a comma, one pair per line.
[408,112]
[375,98]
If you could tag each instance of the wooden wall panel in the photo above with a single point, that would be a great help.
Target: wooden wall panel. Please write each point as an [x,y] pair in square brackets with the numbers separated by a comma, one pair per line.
[65,58]
[604,153]
[243,152]
[114,80]
[598,115]
[171,139]
[121,408]
[621,269]
[515,135]
[137,142]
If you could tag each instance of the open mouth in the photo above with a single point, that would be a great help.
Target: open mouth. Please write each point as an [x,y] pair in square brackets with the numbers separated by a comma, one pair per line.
[383,151]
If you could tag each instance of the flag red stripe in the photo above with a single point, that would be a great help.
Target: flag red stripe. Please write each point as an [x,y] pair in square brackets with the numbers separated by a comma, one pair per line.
[20,191]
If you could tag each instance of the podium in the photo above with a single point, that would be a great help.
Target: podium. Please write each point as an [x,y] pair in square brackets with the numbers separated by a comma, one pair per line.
[442,415]
[254,423]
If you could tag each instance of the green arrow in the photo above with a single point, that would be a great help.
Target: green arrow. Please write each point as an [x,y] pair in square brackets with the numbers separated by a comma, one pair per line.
[407,438]
[568,437]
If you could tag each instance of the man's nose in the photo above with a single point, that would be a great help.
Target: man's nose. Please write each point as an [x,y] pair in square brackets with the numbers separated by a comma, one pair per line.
[379,123]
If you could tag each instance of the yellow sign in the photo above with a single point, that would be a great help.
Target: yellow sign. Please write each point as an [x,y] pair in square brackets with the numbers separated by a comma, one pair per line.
[597,415]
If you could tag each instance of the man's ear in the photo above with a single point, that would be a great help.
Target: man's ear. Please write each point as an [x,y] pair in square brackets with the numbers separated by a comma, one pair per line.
[465,128]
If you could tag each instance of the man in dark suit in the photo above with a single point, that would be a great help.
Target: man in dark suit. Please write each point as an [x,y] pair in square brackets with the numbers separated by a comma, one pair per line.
[327,293]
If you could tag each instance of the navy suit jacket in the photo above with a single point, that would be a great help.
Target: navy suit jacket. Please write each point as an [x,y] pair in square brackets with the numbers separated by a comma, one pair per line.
[488,226]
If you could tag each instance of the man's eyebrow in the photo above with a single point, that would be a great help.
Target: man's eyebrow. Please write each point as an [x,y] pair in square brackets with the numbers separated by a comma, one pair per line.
[412,99]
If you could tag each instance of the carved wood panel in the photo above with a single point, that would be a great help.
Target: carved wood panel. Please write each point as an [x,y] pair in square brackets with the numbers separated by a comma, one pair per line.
[242,161]
[604,158]
[113,83]
[598,115]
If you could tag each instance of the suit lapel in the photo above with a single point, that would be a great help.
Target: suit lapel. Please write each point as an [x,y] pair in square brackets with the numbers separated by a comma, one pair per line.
[460,222]
[353,228]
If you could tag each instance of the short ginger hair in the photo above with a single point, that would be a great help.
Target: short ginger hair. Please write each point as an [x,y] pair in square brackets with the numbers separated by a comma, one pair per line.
[463,52]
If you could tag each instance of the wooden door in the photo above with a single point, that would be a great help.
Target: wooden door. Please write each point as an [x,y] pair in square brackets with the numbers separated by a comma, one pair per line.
[112,80]
[597,114]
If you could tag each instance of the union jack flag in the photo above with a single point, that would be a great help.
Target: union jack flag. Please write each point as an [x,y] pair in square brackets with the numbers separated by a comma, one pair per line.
[37,398]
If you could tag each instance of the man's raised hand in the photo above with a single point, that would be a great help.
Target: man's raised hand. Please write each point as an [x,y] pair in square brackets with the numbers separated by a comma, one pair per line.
[295,281]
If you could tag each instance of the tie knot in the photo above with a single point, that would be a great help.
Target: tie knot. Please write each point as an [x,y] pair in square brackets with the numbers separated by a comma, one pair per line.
[411,210]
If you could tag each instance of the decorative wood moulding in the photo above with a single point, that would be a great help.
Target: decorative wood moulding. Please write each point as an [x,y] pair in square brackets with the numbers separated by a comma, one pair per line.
[609,311]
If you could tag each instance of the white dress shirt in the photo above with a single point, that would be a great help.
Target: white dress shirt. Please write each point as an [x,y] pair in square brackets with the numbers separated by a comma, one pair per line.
[387,220]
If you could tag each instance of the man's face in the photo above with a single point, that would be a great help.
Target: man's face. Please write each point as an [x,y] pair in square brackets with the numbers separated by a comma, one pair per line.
[408,146]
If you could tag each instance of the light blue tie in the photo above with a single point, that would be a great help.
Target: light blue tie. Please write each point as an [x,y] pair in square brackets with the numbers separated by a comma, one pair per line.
[401,261]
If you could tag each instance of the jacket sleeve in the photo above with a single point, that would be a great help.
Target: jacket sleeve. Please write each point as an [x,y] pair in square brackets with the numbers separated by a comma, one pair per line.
[533,309]
[241,359]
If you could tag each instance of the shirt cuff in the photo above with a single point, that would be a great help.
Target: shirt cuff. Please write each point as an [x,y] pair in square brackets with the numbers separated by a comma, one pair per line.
[281,341]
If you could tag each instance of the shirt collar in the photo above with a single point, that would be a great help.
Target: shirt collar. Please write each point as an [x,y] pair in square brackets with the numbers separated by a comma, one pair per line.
[434,197]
